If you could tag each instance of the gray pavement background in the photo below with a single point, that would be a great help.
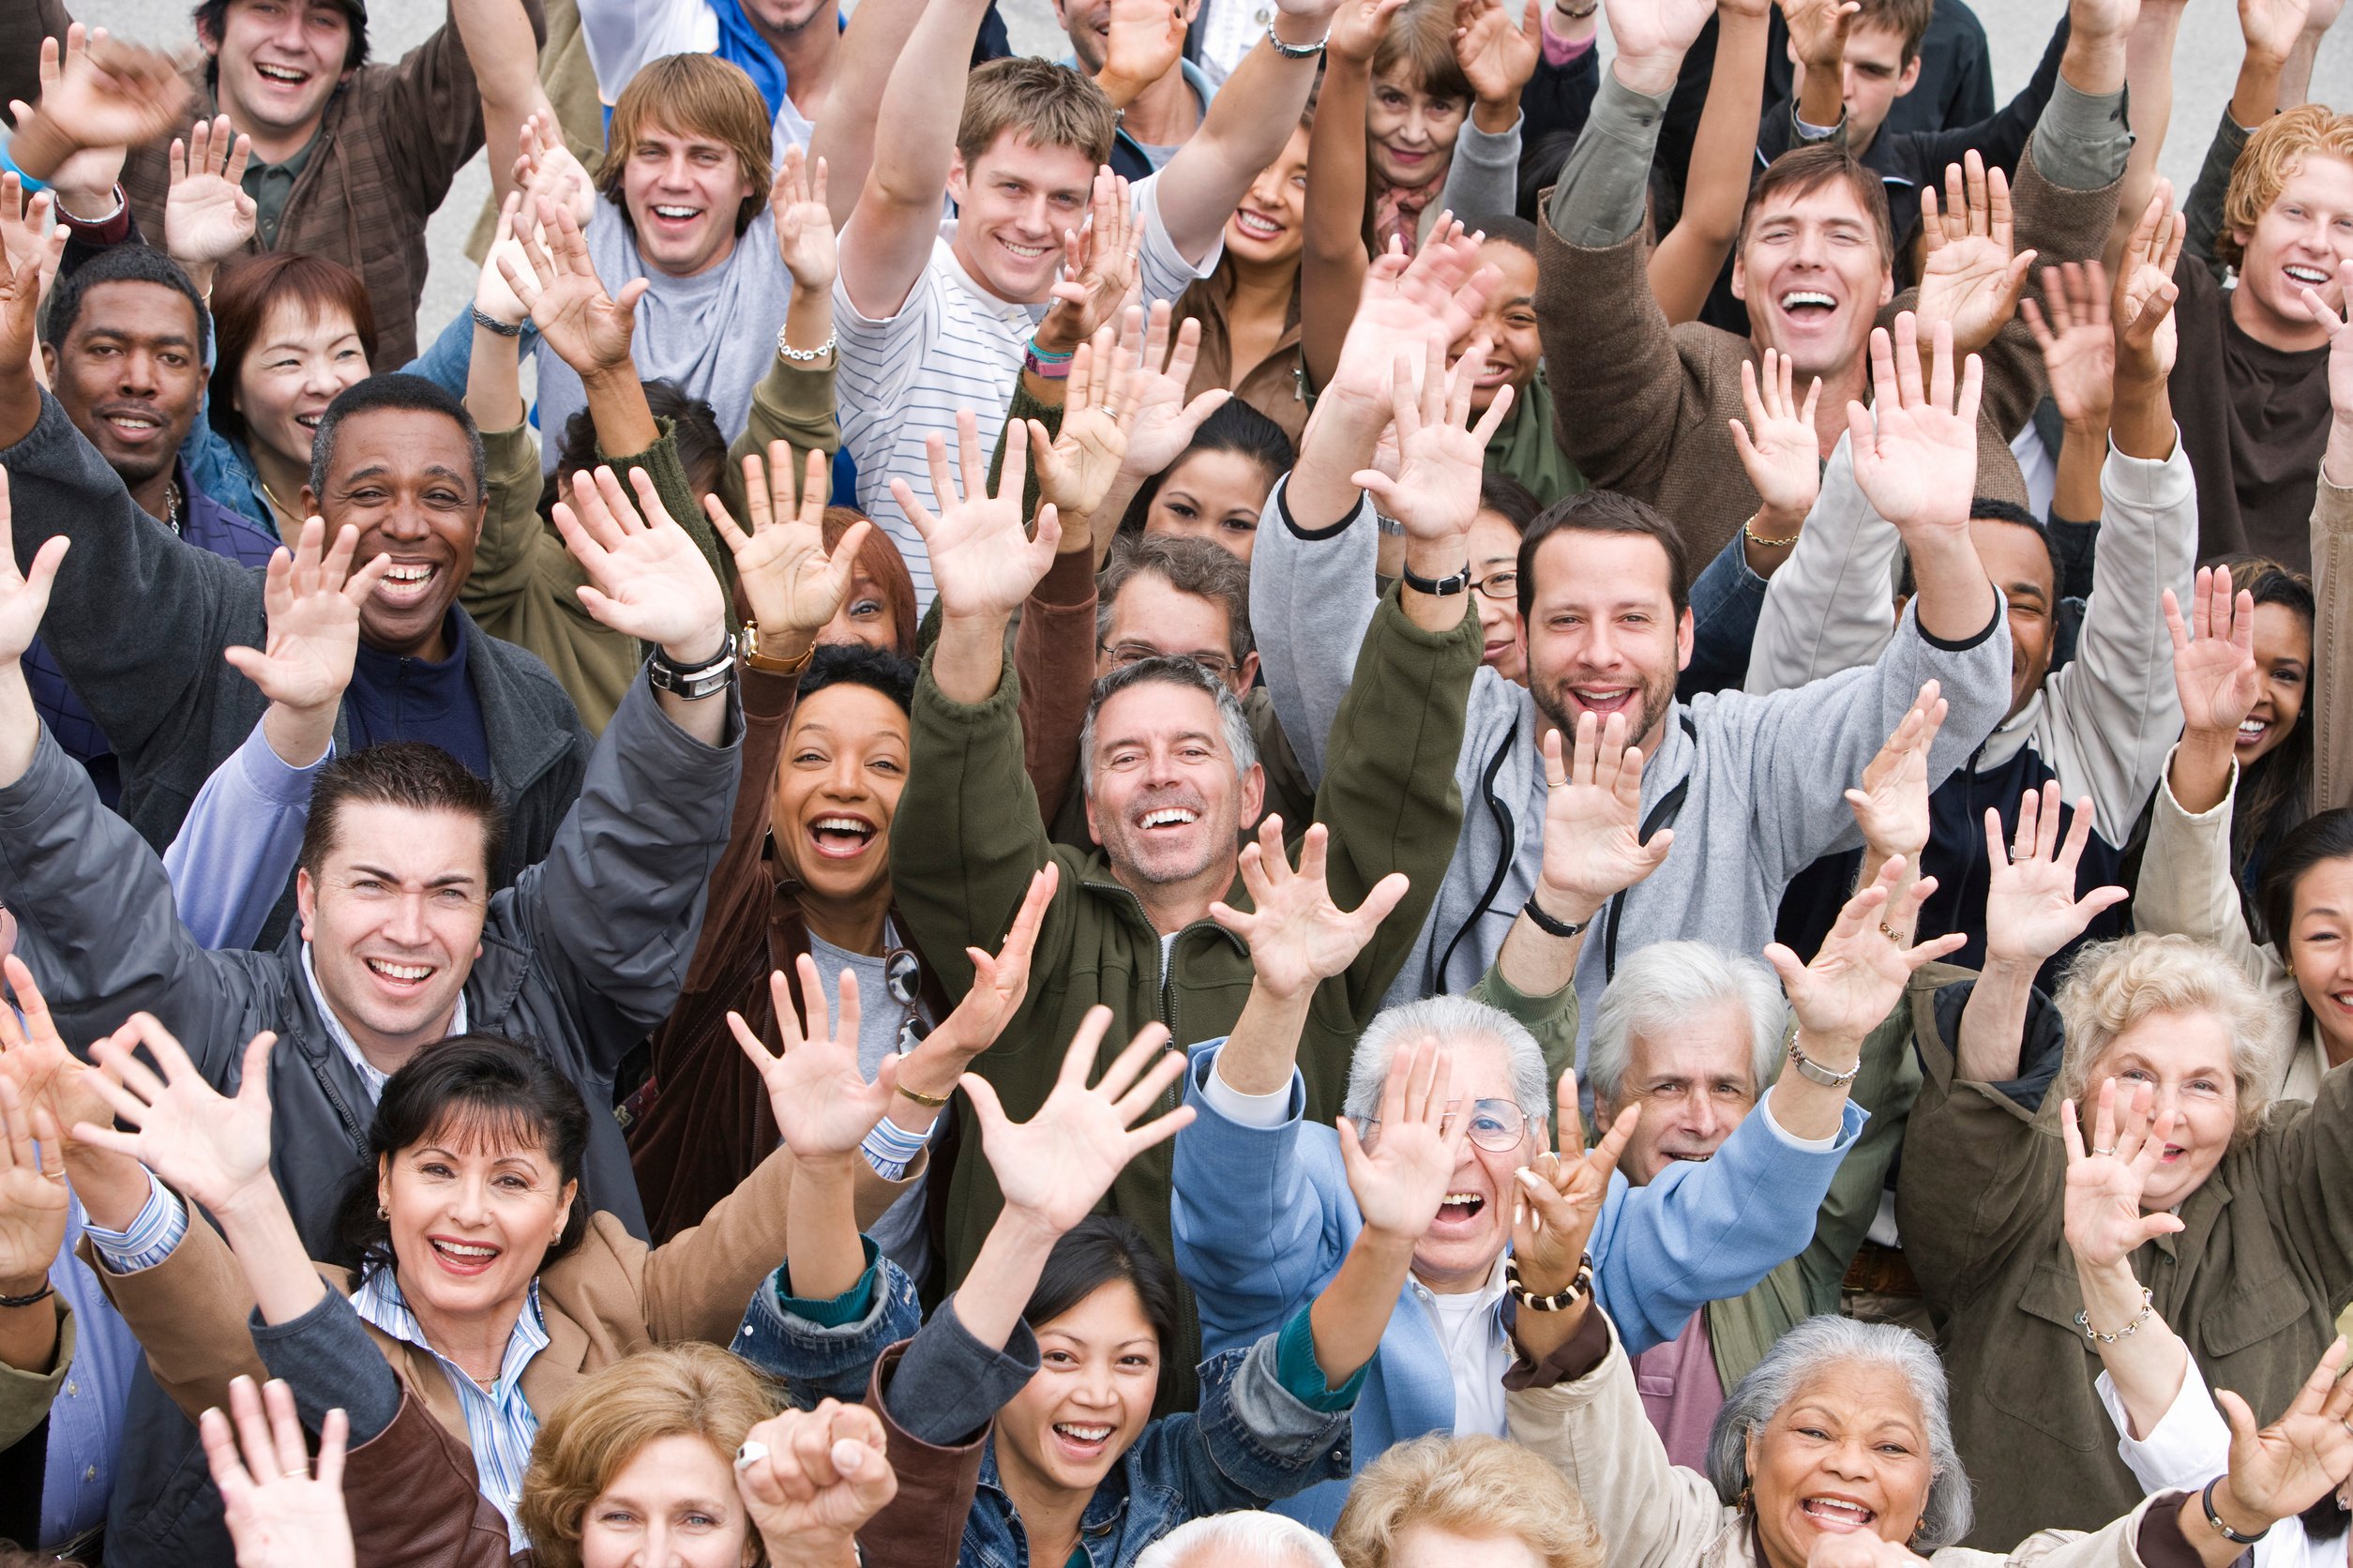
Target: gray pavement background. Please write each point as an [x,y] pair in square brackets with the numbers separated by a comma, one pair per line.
[2204,65]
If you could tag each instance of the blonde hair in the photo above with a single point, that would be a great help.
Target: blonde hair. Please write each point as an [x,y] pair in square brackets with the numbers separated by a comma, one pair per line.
[1049,105]
[2270,158]
[2112,986]
[689,1389]
[1474,1485]
[691,94]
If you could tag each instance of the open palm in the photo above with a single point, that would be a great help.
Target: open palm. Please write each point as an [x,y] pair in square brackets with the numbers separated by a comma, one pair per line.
[2284,1469]
[1298,936]
[313,598]
[2031,910]
[1159,421]
[1400,1183]
[1892,808]
[2214,673]
[1778,446]
[2104,1221]
[1408,305]
[983,562]
[1594,846]
[1497,47]
[195,1139]
[32,1190]
[25,599]
[1858,975]
[279,1514]
[792,584]
[34,1057]
[647,578]
[208,216]
[1077,466]
[1972,276]
[2072,326]
[1915,448]
[823,1103]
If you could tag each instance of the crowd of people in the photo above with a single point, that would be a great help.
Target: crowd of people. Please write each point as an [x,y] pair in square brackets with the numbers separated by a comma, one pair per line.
[1357,783]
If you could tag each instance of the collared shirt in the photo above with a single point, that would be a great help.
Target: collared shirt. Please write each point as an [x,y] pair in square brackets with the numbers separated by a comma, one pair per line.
[271,184]
[500,1422]
[85,1420]
[369,1073]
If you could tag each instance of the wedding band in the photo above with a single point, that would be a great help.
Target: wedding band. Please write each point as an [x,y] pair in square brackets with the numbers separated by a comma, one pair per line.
[2102,1154]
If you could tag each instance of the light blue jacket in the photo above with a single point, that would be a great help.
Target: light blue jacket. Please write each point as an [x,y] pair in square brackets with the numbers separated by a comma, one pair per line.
[1263,1218]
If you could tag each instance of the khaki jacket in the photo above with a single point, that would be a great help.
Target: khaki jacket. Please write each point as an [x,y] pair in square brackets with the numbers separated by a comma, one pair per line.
[1655,1515]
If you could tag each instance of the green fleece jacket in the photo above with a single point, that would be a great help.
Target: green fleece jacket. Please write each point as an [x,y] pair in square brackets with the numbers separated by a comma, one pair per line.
[967,837]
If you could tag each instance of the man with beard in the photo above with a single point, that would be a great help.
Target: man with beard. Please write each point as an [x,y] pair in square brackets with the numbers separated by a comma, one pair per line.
[125,348]
[1753,786]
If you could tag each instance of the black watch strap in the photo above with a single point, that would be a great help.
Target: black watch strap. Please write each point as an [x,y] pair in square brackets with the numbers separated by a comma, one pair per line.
[1551,927]
[1437,587]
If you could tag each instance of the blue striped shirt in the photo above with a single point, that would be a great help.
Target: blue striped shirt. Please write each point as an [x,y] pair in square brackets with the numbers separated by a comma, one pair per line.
[500,1422]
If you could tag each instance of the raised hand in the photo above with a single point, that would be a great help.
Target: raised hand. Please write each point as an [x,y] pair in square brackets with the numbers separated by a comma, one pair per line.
[2147,337]
[982,561]
[2284,1469]
[1054,1167]
[32,1191]
[824,1104]
[112,95]
[1560,1195]
[1971,279]
[1593,845]
[196,1140]
[25,599]
[804,225]
[1399,1169]
[811,1479]
[1859,973]
[1498,49]
[546,168]
[1436,297]
[792,583]
[999,986]
[1441,455]
[35,1059]
[28,263]
[2103,1220]
[1892,808]
[2214,670]
[1077,466]
[2072,328]
[1159,422]
[313,600]
[2271,27]
[2339,342]
[208,216]
[1142,41]
[1915,447]
[1299,937]
[2031,910]
[1099,262]
[1818,29]
[279,1514]
[89,177]
[587,328]
[647,578]
[1652,38]
[1782,458]
[24,230]
[1357,29]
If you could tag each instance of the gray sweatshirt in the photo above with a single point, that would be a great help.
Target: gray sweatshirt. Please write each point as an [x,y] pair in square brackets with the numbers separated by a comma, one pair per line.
[1753,786]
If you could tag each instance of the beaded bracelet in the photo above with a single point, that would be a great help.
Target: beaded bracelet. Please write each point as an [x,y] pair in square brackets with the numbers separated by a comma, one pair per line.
[2148,1310]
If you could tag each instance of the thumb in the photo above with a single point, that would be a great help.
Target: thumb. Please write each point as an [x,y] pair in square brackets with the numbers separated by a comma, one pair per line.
[985,1105]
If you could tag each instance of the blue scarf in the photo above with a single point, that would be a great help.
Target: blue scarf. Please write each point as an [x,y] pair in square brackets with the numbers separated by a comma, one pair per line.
[739,44]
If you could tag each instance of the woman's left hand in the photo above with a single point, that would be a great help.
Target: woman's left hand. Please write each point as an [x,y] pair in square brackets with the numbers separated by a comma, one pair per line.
[824,1106]
[998,985]
[2284,1469]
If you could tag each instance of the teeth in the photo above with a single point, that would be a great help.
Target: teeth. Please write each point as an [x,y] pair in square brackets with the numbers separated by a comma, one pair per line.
[1167,814]
[1838,1506]
[676,211]
[1082,1434]
[132,421]
[282,73]
[1027,252]
[308,421]
[408,574]
[842,825]
[2311,275]
[2252,728]
[399,972]
[473,1254]
[1251,223]
[1454,1197]
[1796,297]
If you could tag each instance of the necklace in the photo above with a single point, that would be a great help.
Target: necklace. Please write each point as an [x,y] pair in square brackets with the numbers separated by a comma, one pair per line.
[284,512]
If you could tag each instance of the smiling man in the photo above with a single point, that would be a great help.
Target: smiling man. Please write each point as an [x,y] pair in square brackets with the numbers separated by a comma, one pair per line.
[142,615]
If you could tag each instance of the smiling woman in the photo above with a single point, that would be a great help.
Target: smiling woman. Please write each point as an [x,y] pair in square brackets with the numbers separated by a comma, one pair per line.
[294,331]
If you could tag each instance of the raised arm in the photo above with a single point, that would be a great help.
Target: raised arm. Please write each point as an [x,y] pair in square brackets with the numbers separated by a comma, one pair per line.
[587,328]
[2145,1359]
[1332,257]
[1685,261]
[2331,517]
[1247,124]
[870,52]
[502,47]
[208,216]
[32,1228]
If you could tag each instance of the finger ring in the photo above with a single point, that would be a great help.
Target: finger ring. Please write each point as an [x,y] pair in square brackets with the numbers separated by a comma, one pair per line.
[2102,1154]
[751,1454]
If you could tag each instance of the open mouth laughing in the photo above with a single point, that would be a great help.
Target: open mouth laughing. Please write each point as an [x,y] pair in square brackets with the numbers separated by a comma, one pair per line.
[842,835]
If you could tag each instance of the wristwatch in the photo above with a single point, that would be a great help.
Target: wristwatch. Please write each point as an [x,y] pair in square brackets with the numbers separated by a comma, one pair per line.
[747,649]
[1819,1074]
[692,682]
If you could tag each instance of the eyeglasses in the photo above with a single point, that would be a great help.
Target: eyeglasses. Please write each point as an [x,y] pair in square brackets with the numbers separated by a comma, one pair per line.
[902,977]
[1503,586]
[1124,654]
[1496,1126]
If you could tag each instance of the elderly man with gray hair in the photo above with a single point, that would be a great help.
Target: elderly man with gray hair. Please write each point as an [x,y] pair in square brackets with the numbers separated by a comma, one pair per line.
[1240,1541]
[1263,1215]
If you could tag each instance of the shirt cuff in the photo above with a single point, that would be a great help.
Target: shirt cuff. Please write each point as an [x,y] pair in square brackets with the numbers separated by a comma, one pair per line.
[154,1236]
[849,1307]
[273,777]
[1560,51]
[1262,1111]
[1813,1145]
[1809,130]
[1573,1358]
[1295,1368]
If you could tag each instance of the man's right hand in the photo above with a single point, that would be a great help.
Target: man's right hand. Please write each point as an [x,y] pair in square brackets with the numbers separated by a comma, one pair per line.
[1652,38]
[2071,328]
[113,94]
[2031,910]
[208,217]
[1298,937]
[1436,297]
[1817,31]
[982,561]
[313,598]
[1915,447]
[1973,274]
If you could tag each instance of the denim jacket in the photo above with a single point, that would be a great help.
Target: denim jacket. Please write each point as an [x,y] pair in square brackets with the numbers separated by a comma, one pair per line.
[1253,1441]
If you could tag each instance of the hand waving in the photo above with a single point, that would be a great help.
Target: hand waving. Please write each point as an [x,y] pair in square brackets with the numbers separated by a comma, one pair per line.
[1357,29]
[2281,1471]
[313,598]
[1441,455]
[2077,340]
[194,1138]
[1560,1195]
[2031,910]
[24,600]
[2103,1220]
[1892,808]
[1859,974]
[999,986]
[1433,299]
[824,1106]
[1077,466]
[50,1077]
[2214,671]
[2146,337]
[1099,262]
[111,94]
[1159,422]
[279,1514]
[1593,843]
[811,1479]
[28,263]
[1915,450]
[587,328]
[1054,1167]
[1298,937]
[208,217]
[982,562]
[548,168]
[804,225]
[1782,458]
[1401,1179]
[32,1191]
[647,578]
[1970,280]
[792,584]
[1497,50]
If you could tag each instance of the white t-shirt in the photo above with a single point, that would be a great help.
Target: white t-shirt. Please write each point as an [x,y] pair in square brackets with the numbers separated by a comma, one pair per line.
[951,345]
[1477,1352]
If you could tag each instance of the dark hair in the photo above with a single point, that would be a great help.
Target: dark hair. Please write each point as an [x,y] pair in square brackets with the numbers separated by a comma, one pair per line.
[482,1085]
[1907,19]
[1803,171]
[1188,564]
[1507,228]
[856,664]
[701,449]
[1234,426]
[408,773]
[1601,511]
[2318,839]
[403,392]
[1099,1250]
[1510,500]
[2275,790]
[1987,508]
[883,561]
[246,288]
[211,16]
[122,264]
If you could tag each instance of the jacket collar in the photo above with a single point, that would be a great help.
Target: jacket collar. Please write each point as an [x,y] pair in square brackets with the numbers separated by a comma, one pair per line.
[1095,875]
[1104,1509]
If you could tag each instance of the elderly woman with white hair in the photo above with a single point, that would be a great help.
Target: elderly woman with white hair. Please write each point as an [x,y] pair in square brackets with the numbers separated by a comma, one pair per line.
[1263,1216]
[2254,1255]
[1241,1540]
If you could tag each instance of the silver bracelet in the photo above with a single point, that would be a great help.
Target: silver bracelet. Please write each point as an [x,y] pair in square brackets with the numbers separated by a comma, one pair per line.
[804,356]
[1298,50]
[489,323]
[1389,526]
[2148,1310]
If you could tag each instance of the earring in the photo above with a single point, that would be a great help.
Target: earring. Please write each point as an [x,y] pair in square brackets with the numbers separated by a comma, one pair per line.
[1746,1503]
[381,1212]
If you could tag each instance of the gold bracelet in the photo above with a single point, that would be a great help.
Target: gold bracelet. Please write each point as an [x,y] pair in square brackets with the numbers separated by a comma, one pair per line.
[1748,532]
[930,1102]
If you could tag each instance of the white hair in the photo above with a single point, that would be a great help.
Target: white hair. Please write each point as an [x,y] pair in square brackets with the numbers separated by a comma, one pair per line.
[1451,1018]
[1183,673]
[1220,1538]
[1663,991]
